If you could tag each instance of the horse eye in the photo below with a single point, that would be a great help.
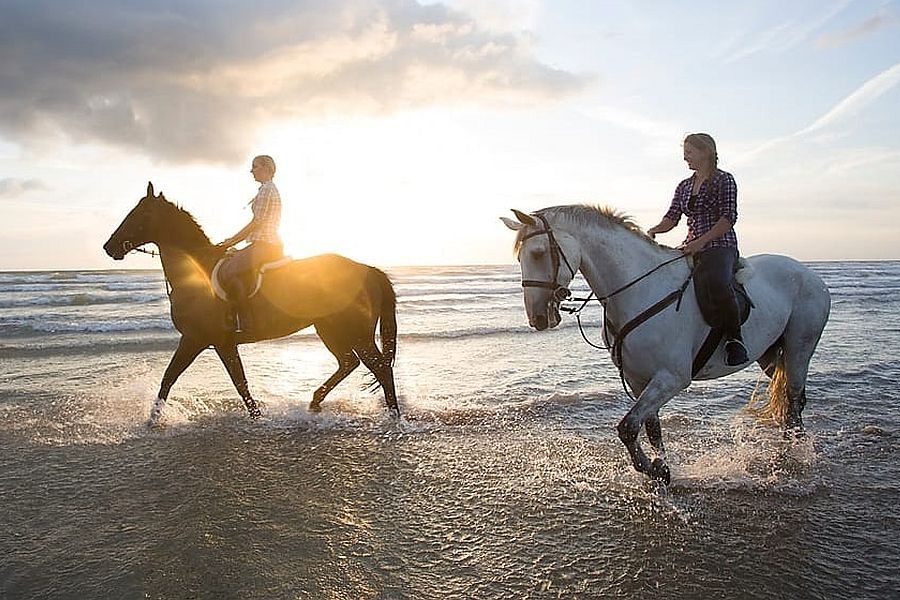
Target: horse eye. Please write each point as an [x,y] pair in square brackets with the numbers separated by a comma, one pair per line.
[538,253]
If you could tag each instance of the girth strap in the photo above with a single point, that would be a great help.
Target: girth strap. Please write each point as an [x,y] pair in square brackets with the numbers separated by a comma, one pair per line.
[706,350]
[646,315]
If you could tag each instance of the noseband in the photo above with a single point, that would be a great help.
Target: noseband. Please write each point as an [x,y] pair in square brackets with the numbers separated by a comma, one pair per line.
[560,292]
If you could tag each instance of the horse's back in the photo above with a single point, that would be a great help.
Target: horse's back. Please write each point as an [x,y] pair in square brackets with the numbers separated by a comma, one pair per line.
[784,272]
[321,285]
[787,286]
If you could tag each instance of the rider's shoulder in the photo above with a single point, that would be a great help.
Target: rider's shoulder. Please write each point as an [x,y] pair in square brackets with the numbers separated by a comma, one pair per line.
[724,175]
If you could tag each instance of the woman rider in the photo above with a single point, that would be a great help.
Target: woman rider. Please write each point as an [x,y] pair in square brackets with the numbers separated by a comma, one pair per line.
[709,200]
[261,233]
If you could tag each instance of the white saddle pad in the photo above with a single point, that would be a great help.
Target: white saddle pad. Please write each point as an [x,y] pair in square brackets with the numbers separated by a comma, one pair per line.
[220,291]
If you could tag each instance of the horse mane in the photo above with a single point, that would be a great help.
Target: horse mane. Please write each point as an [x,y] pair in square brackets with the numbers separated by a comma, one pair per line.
[184,226]
[586,214]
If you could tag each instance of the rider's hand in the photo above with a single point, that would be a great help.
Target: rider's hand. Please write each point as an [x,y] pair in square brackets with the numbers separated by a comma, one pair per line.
[693,247]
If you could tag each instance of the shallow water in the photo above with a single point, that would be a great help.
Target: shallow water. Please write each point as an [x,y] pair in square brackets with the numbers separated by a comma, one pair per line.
[504,478]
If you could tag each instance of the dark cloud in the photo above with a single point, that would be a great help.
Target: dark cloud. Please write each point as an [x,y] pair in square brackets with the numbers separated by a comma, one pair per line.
[191,81]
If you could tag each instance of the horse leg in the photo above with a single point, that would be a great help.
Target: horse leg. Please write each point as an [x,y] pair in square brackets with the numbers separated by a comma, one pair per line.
[796,369]
[801,336]
[659,391]
[654,434]
[347,362]
[188,349]
[228,353]
[652,425]
[374,360]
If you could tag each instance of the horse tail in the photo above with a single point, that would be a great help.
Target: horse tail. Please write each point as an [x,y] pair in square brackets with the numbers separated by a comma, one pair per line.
[388,317]
[776,406]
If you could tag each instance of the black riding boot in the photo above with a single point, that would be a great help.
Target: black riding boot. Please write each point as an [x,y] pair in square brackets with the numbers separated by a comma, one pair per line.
[244,314]
[240,317]
[735,351]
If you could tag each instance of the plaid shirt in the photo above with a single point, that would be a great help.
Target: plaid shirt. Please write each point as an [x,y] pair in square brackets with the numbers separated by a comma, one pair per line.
[266,207]
[716,198]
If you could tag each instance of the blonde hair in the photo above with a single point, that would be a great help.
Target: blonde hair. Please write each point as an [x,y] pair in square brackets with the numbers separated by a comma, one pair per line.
[267,161]
[704,141]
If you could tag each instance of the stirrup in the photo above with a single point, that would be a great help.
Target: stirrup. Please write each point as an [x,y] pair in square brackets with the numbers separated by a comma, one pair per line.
[243,322]
[735,353]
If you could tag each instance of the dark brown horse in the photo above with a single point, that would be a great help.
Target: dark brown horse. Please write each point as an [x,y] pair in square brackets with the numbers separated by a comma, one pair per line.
[343,299]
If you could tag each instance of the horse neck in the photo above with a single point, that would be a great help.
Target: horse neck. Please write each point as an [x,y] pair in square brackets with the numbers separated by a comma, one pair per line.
[187,256]
[612,257]
[185,269]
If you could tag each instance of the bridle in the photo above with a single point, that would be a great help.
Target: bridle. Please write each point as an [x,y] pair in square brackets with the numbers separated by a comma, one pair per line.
[129,247]
[559,292]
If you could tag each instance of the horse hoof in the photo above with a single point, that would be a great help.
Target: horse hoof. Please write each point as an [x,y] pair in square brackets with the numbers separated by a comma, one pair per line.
[659,471]
[394,412]
[315,407]
[794,433]
[154,421]
[255,413]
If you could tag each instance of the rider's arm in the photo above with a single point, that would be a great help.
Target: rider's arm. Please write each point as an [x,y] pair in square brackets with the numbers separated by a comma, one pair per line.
[727,207]
[673,215]
[262,205]
[240,235]
[718,230]
[665,225]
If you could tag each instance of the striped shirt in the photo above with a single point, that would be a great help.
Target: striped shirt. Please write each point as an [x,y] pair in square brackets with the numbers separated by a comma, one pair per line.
[716,198]
[266,207]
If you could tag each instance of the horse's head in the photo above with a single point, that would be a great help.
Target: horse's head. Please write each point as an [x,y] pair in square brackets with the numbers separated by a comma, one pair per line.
[548,259]
[139,227]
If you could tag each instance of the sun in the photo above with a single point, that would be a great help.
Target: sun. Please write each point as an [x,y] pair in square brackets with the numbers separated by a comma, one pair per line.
[376,189]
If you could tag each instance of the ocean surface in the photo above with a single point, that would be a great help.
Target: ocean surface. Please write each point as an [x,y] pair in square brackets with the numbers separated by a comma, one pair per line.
[503,479]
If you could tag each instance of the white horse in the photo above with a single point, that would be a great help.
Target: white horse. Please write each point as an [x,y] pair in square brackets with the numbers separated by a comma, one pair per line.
[630,273]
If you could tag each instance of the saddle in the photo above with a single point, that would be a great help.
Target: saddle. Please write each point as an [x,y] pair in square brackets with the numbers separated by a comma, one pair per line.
[713,316]
[252,280]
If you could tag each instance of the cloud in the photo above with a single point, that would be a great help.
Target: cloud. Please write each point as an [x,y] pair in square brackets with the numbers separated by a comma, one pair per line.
[861,30]
[193,81]
[859,99]
[782,36]
[848,107]
[12,187]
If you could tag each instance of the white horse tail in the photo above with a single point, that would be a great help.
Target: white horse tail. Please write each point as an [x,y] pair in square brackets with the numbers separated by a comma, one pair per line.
[775,407]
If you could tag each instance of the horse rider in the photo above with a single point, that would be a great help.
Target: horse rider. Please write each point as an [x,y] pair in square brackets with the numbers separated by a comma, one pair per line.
[709,200]
[264,242]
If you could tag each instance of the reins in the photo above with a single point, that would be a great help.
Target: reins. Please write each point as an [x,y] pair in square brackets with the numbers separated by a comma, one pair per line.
[640,319]
[151,253]
[561,292]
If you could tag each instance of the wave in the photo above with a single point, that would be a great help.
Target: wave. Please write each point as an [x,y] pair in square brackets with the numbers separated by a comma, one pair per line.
[55,341]
[22,327]
[82,299]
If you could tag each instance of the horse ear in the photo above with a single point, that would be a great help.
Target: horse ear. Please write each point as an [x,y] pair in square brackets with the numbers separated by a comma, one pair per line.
[150,189]
[523,218]
[514,225]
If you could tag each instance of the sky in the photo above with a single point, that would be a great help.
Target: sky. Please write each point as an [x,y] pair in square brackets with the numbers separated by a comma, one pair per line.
[402,130]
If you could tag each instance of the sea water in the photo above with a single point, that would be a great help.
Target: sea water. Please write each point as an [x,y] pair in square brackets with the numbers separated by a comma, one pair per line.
[503,479]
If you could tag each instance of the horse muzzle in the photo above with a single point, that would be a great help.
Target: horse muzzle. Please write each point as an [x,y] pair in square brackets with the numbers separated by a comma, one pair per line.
[547,320]
[117,250]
